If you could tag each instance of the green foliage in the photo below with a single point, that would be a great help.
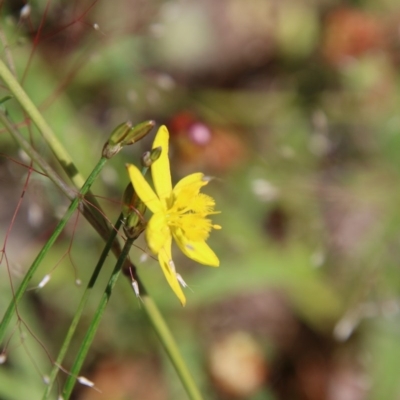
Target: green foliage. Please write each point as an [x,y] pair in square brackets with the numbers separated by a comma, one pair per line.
[305,154]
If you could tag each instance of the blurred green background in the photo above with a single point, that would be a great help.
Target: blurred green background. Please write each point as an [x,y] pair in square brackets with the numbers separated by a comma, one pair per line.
[294,107]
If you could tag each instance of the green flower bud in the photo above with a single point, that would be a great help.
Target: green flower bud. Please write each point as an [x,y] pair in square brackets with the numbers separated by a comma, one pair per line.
[120,133]
[114,143]
[125,135]
[133,209]
[150,156]
[138,132]
[127,200]
[135,224]
[155,153]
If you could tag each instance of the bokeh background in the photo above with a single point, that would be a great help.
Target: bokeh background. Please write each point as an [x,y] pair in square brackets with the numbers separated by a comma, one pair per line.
[293,107]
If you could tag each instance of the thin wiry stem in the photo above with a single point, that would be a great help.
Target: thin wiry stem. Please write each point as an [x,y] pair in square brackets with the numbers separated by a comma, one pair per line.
[91,213]
[60,226]
[87,341]
[79,311]
[55,145]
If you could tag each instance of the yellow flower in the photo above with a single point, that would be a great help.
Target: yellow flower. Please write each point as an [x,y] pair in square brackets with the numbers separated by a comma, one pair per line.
[180,213]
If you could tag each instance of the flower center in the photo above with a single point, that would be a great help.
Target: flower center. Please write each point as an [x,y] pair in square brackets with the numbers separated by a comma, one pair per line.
[189,214]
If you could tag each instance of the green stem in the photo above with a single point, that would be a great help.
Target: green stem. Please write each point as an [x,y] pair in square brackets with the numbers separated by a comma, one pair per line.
[92,214]
[79,311]
[36,157]
[44,128]
[24,284]
[170,346]
[82,304]
[151,309]
[55,145]
[87,341]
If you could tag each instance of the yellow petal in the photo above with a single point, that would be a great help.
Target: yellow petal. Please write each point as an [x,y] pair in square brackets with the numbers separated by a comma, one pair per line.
[193,181]
[157,232]
[165,260]
[160,170]
[143,189]
[197,251]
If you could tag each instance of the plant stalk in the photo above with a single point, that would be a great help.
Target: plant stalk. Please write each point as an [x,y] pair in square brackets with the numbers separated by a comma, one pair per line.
[79,311]
[170,346]
[88,339]
[60,226]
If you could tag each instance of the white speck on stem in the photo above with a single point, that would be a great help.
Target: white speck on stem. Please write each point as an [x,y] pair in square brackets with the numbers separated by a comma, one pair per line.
[84,381]
[135,287]
[96,27]
[44,281]
[3,358]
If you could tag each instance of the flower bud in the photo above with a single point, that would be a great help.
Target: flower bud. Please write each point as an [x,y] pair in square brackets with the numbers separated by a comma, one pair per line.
[150,156]
[133,209]
[125,135]
[127,200]
[155,153]
[146,160]
[138,132]
[135,223]
[114,143]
